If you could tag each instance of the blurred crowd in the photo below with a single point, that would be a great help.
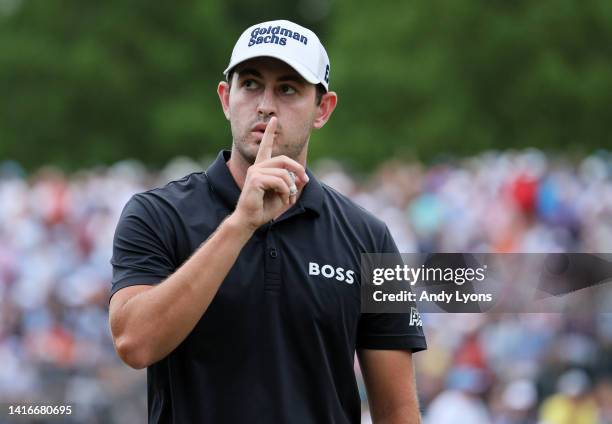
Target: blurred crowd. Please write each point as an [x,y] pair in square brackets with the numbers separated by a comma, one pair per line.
[56,240]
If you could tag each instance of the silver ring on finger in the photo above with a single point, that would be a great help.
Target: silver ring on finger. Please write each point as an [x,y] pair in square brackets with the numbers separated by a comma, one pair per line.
[292,188]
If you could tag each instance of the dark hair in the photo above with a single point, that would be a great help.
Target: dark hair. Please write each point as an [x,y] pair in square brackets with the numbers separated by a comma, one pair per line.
[319,87]
[320,92]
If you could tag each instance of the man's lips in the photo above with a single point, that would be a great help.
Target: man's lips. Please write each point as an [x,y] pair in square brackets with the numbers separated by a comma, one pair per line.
[259,129]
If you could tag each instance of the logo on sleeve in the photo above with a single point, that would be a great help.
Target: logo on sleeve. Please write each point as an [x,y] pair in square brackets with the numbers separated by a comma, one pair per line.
[331,272]
[415,317]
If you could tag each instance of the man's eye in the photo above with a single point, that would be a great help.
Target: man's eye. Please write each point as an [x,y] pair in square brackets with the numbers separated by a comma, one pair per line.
[250,84]
[287,89]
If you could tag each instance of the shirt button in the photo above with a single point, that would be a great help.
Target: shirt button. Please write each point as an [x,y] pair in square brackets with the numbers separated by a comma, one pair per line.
[273,253]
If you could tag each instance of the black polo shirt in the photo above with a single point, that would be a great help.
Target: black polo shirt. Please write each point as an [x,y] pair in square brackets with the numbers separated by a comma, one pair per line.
[277,343]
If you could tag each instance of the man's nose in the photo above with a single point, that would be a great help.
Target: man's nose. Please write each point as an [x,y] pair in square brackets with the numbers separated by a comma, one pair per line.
[267,103]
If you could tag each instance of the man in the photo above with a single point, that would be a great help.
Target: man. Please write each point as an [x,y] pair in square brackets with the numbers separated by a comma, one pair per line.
[238,288]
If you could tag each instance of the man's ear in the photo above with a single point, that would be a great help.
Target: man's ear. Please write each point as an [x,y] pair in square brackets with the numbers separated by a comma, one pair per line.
[223,90]
[325,109]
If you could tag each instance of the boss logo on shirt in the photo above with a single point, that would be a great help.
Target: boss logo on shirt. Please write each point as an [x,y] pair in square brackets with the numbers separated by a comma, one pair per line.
[328,271]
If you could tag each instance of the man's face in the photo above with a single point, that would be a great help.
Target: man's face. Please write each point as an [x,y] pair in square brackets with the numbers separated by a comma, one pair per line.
[266,87]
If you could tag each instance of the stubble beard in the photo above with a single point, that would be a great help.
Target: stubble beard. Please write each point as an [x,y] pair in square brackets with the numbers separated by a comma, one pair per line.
[248,149]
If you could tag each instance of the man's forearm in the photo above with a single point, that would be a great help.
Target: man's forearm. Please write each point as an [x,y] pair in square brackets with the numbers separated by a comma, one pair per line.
[151,324]
[403,415]
[390,384]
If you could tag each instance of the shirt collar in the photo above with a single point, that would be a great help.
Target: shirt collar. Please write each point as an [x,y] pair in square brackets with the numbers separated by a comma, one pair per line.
[224,185]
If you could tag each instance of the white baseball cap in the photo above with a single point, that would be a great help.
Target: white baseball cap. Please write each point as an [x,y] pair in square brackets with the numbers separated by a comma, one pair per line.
[295,45]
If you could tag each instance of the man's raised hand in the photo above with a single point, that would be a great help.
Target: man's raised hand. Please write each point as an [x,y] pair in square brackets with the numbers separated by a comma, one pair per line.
[269,188]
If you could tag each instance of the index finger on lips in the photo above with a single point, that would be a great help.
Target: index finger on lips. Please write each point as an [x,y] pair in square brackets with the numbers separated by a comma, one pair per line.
[267,141]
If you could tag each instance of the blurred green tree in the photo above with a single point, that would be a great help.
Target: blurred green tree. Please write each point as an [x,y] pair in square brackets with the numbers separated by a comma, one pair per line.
[84,82]
[432,78]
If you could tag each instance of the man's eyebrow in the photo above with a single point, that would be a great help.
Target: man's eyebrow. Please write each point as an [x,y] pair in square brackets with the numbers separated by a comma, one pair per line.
[249,71]
[246,72]
[293,78]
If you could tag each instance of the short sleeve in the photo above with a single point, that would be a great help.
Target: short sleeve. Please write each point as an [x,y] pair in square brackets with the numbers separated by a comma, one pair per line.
[140,255]
[391,330]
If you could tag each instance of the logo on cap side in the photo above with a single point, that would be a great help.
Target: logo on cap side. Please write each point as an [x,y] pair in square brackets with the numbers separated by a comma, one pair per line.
[276,35]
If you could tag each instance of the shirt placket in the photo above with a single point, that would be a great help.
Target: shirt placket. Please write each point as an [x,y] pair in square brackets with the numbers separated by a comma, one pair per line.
[272,267]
